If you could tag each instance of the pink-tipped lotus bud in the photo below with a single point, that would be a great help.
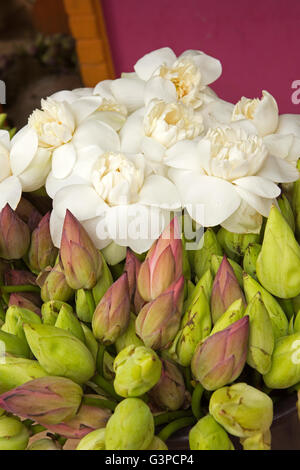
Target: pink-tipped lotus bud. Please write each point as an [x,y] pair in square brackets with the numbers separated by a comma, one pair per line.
[226,290]
[132,268]
[81,260]
[19,278]
[14,235]
[169,393]
[42,253]
[159,320]
[220,359]
[47,400]
[163,264]
[28,213]
[112,315]
[54,285]
[25,300]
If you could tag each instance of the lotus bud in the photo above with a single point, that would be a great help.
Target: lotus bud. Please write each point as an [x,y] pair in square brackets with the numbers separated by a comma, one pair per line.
[159,320]
[285,368]
[225,290]
[16,318]
[296,202]
[108,366]
[242,410]
[137,370]
[169,392]
[47,400]
[81,260]
[163,264]
[44,444]
[90,341]
[196,325]
[216,263]
[235,244]
[277,315]
[28,213]
[260,441]
[206,283]
[286,211]
[234,313]
[13,434]
[210,247]
[157,444]
[104,283]
[261,336]
[112,315]
[42,253]
[279,275]
[13,345]
[131,427]
[287,306]
[296,303]
[95,440]
[88,419]
[66,320]
[16,371]
[22,301]
[132,268]
[220,358]
[14,235]
[83,309]
[129,337]
[296,323]
[207,434]
[50,311]
[60,353]
[14,277]
[250,259]
[54,285]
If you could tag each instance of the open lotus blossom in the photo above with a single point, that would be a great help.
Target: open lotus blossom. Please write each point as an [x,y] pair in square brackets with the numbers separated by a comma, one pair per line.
[161,75]
[231,175]
[10,185]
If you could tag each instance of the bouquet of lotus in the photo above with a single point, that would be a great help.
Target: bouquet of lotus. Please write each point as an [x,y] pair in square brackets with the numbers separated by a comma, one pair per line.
[149,265]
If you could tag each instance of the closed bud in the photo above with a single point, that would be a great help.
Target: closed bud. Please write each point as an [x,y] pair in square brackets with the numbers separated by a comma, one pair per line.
[66,320]
[54,285]
[234,313]
[13,345]
[14,235]
[132,268]
[207,434]
[95,440]
[260,441]
[24,301]
[157,444]
[83,309]
[90,341]
[50,311]
[42,253]
[169,393]
[16,318]
[16,371]
[202,258]
[44,444]
[104,283]
[250,259]
[205,283]
[286,211]
[216,262]
[13,434]
[129,337]
[235,244]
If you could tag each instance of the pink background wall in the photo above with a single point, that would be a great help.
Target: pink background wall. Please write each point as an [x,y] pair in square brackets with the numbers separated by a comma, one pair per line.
[257,41]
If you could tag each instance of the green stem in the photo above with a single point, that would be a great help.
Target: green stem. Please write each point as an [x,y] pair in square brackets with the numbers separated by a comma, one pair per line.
[100,359]
[165,418]
[106,386]
[196,401]
[91,302]
[36,429]
[99,403]
[2,312]
[171,428]
[13,289]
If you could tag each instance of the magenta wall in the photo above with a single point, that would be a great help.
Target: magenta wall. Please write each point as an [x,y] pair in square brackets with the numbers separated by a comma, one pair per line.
[258,41]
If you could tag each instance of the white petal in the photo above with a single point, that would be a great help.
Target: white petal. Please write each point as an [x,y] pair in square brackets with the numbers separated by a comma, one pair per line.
[244,220]
[24,148]
[80,199]
[85,106]
[99,237]
[10,192]
[130,92]
[96,133]
[217,112]
[278,170]
[103,89]
[114,254]
[5,138]
[260,204]
[56,228]
[64,95]
[87,158]
[152,149]
[53,185]
[210,68]
[266,114]
[35,175]
[279,145]
[289,124]
[161,89]
[184,155]
[160,192]
[132,133]
[63,161]
[112,118]
[259,186]
[148,64]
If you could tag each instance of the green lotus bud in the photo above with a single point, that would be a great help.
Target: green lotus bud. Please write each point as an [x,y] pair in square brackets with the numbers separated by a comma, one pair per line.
[287,306]
[42,253]
[13,434]
[16,371]
[104,283]
[51,309]
[137,370]
[242,410]
[54,285]
[95,440]
[190,288]
[250,259]
[83,310]
[296,323]
[169,393]
[157,444]
[13,345]
[60,353]
[279,275]
[15,319]
[234,313]
[66,320]
[296,303]
[108,366]
[286,211]
[260,441]
[277,315]
[131,427]
[90,341]
[129,337]
[261,336]
[285,368]
[207,434]
[216,262]
[235,244]
[296,203]
[44,444]
[202,258]
[206,282]
[196,325]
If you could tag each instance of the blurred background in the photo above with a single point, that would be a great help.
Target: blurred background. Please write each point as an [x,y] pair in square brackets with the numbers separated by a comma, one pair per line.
[48,45]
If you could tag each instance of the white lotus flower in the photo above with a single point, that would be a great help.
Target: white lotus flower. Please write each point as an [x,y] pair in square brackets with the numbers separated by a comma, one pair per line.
[285,142]
[232,175]
[10,185]
[116,199]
